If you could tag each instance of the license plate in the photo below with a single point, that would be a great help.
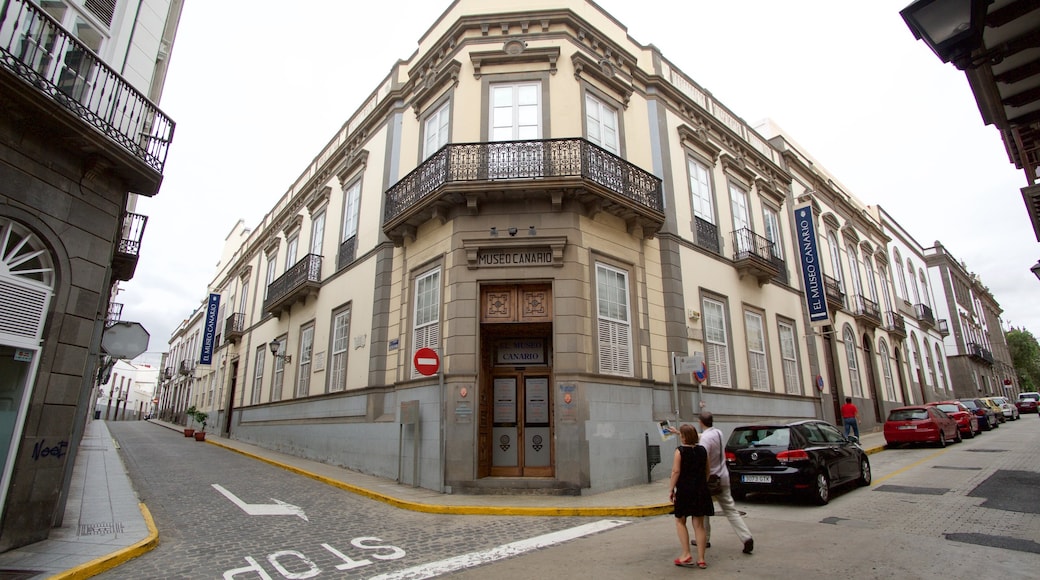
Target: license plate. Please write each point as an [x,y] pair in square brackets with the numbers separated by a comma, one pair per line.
[756,478]
[908,426]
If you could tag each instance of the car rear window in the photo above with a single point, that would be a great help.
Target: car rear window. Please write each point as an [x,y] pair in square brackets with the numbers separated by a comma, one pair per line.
[949,408]
[908,415]
[970,405]
[760,437]
[1033,396]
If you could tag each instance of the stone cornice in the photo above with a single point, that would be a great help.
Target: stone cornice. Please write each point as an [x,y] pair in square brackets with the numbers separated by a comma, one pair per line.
[603,72]
[514,52]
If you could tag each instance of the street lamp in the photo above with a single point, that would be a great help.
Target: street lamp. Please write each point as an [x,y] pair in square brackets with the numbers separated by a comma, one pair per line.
[1036,269]
[951,28]
[276,348]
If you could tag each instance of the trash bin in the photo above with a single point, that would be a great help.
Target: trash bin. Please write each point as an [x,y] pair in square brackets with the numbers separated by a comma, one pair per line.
[97,414]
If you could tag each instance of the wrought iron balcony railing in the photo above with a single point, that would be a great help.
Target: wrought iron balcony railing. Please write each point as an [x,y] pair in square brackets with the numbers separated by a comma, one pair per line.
[619,183]
[944,327]
[115,313]
[347,252]
[867,310]
[707,234]
[924,314]
[835,293]
[124,263]
[35,47]
[298,283]
[234,326]
[753,254]
[977,351]
[895,324]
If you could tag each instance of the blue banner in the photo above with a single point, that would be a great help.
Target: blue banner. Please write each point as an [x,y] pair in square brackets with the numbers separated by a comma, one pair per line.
[209,332]
[812,275]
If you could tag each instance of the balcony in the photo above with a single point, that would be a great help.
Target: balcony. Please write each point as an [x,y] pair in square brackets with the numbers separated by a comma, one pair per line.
[895,324]
[297,284]
[707,235]
[234,326]
[186,368]
[924,315]
[753,256]
[944,327]
[79,97]
[867,311]
[559,170]
[979,353]
[115,313]
[835,294]
[124,262]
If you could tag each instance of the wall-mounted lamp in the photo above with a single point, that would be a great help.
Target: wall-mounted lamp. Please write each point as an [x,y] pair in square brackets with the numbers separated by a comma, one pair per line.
[276,348]
[512,231]
[494,232]
[531,231]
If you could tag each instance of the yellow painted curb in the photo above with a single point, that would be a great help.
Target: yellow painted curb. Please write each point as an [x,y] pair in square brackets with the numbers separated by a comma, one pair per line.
[630,512]
[99,565]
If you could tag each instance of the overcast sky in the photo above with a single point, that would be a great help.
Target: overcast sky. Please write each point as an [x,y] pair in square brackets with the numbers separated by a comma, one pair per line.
[258,90]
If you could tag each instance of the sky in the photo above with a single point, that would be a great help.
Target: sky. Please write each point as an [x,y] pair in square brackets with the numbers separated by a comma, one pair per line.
[257,93]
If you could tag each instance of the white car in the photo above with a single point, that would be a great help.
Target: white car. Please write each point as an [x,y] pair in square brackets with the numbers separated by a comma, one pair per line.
[1010,410]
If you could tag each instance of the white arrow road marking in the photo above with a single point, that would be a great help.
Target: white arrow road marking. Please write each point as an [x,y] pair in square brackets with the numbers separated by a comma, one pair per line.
[434,569]
[279,508]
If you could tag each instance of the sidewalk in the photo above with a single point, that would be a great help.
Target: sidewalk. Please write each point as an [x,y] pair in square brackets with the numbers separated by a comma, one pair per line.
[105,525]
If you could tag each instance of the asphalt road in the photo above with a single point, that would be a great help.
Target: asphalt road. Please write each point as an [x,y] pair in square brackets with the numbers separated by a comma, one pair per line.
[930,513]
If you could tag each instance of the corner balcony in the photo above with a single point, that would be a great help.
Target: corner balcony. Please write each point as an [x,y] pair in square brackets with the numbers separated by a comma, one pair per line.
[867,311]
[559,170]
[753,256]
[977,352]
[297,284]
[924,315]
[895,324]
[835,295]
[234,327]
[60,87]
[124,261]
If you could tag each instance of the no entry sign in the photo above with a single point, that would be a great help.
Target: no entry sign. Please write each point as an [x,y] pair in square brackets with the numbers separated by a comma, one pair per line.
[426,361]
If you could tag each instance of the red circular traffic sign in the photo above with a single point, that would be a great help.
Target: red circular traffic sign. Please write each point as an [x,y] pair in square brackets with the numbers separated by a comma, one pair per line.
[426,361]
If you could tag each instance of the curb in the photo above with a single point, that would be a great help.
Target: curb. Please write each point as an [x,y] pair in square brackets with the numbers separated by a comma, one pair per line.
[107,562]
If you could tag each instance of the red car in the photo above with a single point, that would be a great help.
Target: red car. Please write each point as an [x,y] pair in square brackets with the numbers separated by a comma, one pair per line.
[967,422]
[920,424]
[1027,402]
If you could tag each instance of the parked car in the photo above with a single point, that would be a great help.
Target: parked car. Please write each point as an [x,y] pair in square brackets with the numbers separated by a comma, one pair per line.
[1027,402]
[806,458]
[987,418]
[995,407]
[967,422]
[920,424]
[1009,411]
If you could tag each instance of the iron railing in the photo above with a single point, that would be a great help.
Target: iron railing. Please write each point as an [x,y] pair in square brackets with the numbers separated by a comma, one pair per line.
[832,287]
[707,235]
[512,160]
[347,252]
[924,314]
[36,48]
[944,327]
[234,326]
[307,270]
[895,323]
[748,244]
[867,309]
[132,233]
[978,351]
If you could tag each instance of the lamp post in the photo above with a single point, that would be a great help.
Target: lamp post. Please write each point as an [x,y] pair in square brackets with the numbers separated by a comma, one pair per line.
[951,28]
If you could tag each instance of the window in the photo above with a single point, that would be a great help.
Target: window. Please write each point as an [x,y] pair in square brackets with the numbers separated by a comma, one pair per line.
[886,370]
[835,251]
[913,281]
[427,328]
[340,348]
[292,247]
[615,331]
[317,233]
[279,373]
[738,199]
[601,124]
[272,267]
[925,298]
[756,344]
[850,356]
[435,131]
[716,342]
[772,225]
[702,197]
[303,380]
[243,305]
[258,373]
[857,284]
[898,267]
[516,111]
[789,356]
[942,369]
[885,293]
[931,367]
[868,269]
[351,210]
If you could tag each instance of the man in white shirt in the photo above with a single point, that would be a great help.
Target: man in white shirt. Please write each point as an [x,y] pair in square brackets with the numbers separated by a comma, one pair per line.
[713,441]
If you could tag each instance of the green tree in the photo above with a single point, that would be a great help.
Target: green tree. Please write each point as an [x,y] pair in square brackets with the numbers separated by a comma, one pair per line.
[1025,353]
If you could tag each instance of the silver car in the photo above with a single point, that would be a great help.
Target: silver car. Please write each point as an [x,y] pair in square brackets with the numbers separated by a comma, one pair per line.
[1010,410]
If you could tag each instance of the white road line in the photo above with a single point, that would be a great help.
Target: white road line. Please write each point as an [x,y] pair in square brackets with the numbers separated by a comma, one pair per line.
[434,569]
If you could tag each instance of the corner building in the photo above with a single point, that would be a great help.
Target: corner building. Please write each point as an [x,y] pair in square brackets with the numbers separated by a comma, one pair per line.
[554,209]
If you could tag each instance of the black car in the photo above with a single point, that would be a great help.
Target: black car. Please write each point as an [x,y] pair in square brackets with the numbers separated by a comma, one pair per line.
[805,458]
[987,418]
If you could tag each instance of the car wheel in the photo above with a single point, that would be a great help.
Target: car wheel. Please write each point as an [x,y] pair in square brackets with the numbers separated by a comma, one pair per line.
[971,432]
[864,472]
[821,493]
[957,436]
[942,438]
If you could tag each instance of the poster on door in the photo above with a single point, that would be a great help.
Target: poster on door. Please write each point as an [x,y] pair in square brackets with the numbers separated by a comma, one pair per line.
[536,395]
[505,400]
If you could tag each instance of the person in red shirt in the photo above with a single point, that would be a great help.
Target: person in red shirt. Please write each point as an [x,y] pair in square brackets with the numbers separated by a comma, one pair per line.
[850,417]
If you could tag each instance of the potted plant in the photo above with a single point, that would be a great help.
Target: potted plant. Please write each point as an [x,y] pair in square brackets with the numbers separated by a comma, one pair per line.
[190,413]
[201,417]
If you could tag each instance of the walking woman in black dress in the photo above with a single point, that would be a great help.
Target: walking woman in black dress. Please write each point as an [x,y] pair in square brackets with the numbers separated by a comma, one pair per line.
[690,495]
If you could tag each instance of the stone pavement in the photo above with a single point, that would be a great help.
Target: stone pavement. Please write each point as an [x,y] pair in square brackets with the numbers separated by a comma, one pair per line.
[105,524]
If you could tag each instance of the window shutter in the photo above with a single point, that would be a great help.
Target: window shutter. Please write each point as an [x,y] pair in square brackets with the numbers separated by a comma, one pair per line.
[23,310]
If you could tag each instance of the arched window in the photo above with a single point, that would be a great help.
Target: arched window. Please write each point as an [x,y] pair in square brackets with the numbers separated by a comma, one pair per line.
[913,282]
[931,367]
[925,297]
[897,262]
[26,281]
[886,370]
[942,368]
[850,356]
